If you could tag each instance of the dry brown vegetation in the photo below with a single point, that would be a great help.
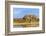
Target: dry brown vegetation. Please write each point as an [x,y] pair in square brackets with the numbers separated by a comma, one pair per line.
[27,21]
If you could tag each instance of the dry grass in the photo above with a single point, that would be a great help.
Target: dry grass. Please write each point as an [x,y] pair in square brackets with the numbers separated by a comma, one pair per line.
[27,22]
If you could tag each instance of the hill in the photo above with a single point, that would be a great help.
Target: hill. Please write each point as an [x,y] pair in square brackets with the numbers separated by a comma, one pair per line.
[27,20]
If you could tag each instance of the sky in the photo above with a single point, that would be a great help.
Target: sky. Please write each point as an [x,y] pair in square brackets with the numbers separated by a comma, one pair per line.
[21,12]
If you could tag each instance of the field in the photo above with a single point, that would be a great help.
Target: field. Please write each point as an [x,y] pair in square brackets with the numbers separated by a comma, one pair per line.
[26,21]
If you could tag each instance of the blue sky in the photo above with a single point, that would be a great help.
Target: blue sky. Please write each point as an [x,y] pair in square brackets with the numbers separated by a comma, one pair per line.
[21,12]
